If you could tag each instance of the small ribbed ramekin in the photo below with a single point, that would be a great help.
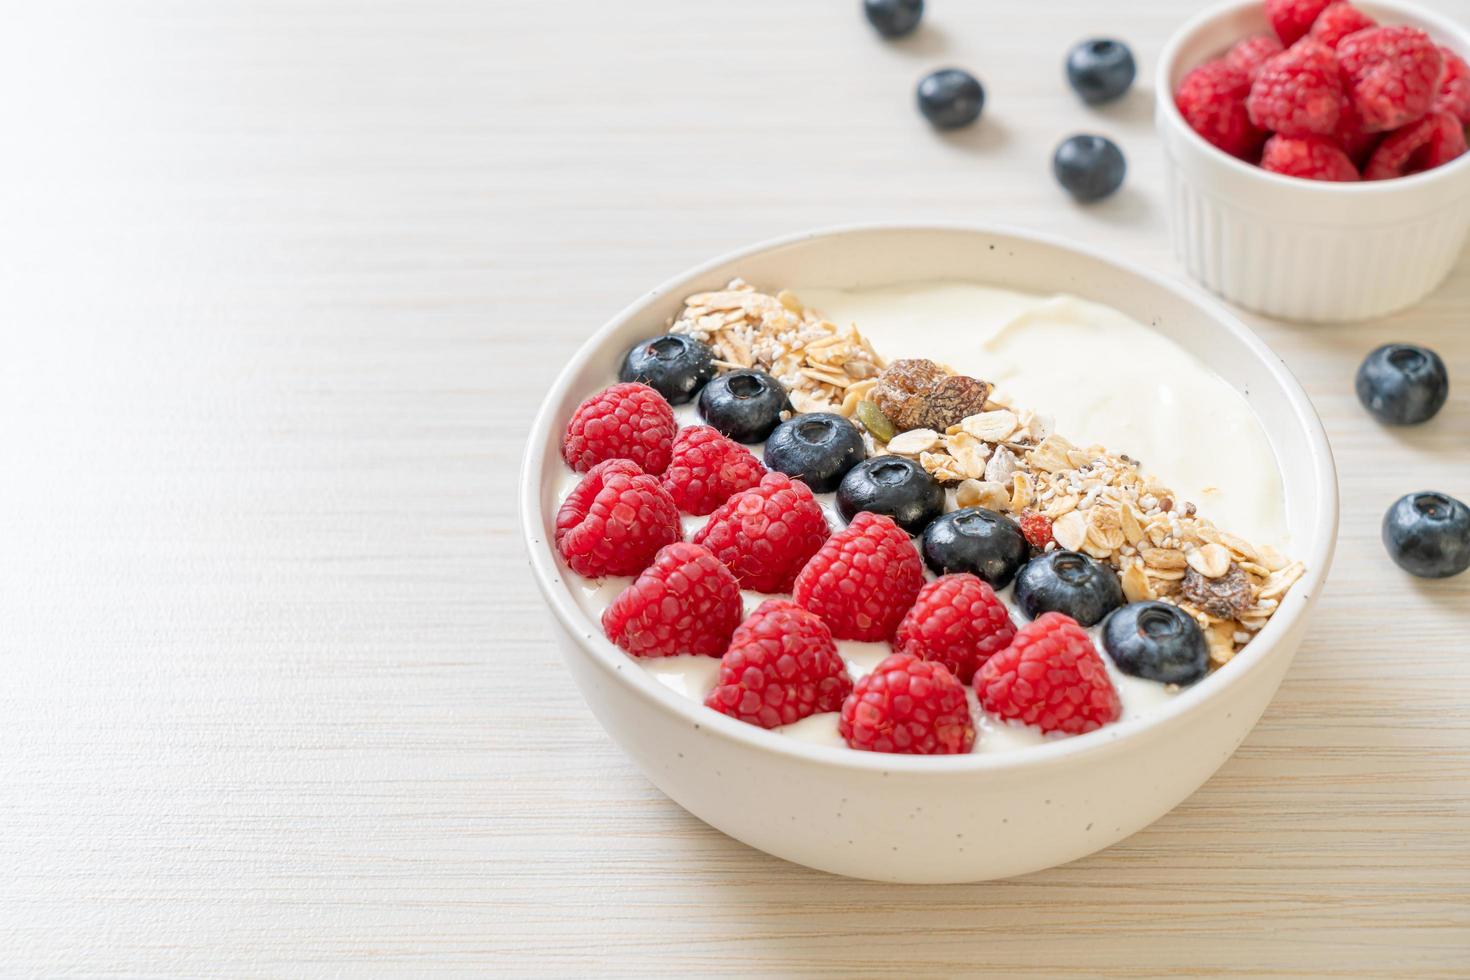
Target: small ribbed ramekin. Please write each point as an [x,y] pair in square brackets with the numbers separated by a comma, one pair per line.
[1302,249]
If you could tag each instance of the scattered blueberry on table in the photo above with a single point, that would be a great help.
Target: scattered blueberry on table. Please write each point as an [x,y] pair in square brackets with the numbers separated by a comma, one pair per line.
[1403,384]
[979,541]
[1068,582]
[817,448]
[673,365]
[1156,641]
[745,405]
[1089,167]
[893,487]
[894,18]
[1100,69]
[1427,534]
[950,98]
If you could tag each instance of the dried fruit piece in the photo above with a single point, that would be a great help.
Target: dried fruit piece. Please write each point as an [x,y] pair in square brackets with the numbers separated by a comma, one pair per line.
[1223,597]
[955,397]
[918,394]
[1037,529]
[903,385]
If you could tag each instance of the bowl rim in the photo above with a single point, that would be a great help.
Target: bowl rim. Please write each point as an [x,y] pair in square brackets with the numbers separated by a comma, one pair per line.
[586,633]
[1166,109]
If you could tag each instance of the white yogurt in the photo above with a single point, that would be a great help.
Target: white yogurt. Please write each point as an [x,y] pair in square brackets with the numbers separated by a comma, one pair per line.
[1115,383]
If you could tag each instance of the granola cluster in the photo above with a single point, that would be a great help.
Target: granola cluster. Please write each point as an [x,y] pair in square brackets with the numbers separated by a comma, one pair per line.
[1004,458]
[825,368]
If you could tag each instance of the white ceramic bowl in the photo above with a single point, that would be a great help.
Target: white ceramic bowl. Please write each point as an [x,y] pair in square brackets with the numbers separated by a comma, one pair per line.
[953,818]
[1302,249]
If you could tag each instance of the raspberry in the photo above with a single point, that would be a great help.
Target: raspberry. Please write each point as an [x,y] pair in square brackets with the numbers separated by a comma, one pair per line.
[958,621]
[1298,92]
[765,534]
[1391,73]
[1337,22]
[615,521]
[863,580]
[1249,55]
[1312,157]
[1291,19]
[1036,528]
[707,469]
[1454,87]
[908,705]
[1051,677]
[1434,140]
[625,421]
[1212,100]
[1351,135]
[685,602]
[782,665]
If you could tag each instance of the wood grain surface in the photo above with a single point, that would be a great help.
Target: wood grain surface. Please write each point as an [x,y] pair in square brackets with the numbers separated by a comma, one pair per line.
[281,284]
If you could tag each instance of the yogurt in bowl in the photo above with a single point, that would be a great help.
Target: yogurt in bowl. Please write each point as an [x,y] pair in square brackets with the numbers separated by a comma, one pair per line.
[1021,800]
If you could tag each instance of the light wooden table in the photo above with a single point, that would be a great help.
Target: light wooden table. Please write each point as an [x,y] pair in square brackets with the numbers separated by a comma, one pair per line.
[280,286]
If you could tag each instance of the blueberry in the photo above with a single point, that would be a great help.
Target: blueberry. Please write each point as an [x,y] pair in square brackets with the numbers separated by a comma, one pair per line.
[1401,384]
[744,405]
[1100,69]
[977,541]
[1068,582]
[817,449]
[891,485]
[1428,534]
[673,365]
[1089,167]
[894,18]
[950,98]
[1156,641]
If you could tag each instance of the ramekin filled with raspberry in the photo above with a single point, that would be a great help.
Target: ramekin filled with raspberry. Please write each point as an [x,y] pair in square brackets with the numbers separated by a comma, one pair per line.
[1316,153]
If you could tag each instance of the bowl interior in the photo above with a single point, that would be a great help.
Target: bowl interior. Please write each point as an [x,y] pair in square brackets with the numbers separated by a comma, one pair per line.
[876,256]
